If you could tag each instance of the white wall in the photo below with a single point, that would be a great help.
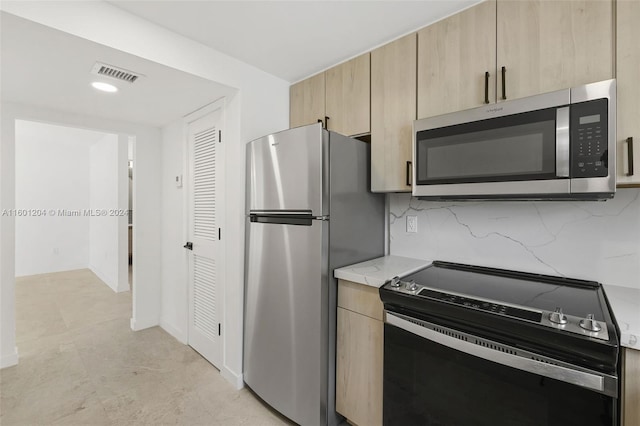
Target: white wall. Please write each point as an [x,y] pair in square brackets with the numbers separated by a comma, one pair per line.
[146,276]
[587,240]
[52,170]
[259,106]
[8,349]
[66,172]
[108,180]
[174,258]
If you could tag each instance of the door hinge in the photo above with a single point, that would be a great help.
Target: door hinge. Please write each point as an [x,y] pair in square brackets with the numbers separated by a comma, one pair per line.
[219,329]
[219,233]
[219,135]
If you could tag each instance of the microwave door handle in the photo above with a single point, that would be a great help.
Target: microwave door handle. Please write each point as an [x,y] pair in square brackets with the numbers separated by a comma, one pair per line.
[562,142]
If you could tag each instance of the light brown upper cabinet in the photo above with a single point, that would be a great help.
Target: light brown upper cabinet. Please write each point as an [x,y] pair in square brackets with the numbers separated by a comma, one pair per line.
[527,46]
[628,75]
[348,96]
[457,62]
[393,109]
[339,97]
[551,45]
[306,101]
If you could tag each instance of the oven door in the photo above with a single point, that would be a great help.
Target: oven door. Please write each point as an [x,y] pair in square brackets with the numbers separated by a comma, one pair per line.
[438,376]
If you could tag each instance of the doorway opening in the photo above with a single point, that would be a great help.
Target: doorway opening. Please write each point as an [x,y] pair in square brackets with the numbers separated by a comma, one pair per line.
[71,228]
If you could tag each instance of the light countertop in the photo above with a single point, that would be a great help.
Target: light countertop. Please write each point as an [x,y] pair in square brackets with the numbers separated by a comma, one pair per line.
[376,272]
[625,302]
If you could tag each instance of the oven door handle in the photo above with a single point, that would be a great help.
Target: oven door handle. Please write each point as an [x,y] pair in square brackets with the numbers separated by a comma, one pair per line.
[507,356]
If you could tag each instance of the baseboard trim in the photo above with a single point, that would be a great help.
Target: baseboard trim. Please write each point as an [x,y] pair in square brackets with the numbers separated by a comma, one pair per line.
[9,360]
[179,335]
[233,378]
[123,286]
[103,278]
[138,324]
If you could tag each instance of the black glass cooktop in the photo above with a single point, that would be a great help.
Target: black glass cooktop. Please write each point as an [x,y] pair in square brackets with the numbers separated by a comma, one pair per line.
[511,307]
[542,292]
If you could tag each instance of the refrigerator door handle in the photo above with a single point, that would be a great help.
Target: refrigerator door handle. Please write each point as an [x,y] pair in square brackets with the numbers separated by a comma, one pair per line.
[280,212]
[282,219]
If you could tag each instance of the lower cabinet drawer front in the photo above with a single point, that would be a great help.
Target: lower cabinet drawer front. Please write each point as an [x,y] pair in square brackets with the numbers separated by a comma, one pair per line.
[359,363]
[360,298]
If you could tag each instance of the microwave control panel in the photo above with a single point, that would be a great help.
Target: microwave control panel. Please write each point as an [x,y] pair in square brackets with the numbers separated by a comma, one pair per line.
[589,139]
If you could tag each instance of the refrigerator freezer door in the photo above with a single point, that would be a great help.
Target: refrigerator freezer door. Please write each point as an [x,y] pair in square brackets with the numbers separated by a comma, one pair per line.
[286,287]
[285,171]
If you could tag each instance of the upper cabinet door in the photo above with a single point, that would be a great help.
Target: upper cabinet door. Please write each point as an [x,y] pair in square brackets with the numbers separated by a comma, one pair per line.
[551,45]
[628,77]
[348,96]
[306,101]
[454,57]
[393,109]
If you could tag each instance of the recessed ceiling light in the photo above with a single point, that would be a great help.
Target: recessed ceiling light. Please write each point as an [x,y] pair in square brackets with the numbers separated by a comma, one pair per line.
[105,87]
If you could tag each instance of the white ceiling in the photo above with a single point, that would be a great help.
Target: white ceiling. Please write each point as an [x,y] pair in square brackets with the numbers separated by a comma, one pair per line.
[49,68]
[293,39]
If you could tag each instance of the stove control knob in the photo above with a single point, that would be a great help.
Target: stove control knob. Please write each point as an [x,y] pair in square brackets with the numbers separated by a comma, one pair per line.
[590,324]
[558,317]
[412,286]
[395,282]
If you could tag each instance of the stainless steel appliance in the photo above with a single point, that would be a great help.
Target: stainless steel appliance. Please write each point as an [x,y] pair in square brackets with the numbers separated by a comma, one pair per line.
[309,212]
[558,145]
[467,345]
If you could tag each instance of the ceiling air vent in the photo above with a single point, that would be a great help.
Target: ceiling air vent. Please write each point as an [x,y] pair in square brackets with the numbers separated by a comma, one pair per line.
[115,72]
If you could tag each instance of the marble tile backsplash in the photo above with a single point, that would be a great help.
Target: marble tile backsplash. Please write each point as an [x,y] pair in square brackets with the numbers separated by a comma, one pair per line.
[588,240]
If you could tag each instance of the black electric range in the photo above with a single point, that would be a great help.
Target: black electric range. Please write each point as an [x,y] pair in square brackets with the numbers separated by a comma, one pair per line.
[521,348]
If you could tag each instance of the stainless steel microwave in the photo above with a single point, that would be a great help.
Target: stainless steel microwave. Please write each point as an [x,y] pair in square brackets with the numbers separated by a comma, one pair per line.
[558,145]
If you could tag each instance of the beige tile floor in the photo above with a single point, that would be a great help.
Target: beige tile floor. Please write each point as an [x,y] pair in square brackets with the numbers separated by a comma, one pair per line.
[80,364]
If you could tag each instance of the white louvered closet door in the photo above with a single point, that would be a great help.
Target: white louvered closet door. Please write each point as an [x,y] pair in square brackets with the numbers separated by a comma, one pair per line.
[206,261]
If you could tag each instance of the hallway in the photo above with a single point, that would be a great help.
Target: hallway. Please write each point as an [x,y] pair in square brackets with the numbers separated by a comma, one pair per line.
[81,364]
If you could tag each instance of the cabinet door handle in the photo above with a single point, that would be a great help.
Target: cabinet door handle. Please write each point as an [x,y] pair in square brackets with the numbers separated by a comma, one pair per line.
[325,123]
[504,83]
[630,156]
[486,87]
[409,173]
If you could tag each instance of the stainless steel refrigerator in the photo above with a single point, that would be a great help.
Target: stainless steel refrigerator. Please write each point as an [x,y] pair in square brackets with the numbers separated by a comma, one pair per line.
[309,211]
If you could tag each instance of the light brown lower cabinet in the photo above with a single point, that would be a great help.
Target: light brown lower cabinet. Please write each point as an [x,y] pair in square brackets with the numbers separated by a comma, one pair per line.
[359,354]
[631,388]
